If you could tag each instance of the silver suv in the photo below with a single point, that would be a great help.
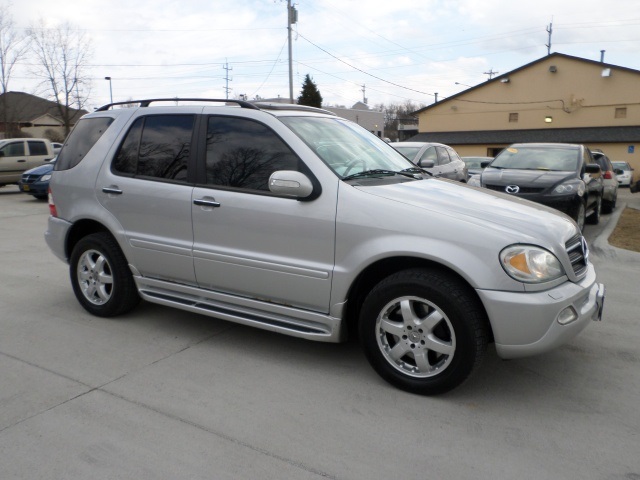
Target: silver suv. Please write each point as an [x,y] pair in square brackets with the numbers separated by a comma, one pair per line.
[293,220]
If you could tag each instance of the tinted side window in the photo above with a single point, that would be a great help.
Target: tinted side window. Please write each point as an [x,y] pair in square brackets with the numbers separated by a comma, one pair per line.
[37,148]
[81,139]
[13,149]
[157,146]
[242,153]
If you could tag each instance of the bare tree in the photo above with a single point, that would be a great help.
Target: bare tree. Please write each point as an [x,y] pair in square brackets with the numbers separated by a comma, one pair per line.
[62,56]
[13,48]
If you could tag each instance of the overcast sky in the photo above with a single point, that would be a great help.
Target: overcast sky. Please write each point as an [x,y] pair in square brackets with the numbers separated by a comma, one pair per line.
[397,49]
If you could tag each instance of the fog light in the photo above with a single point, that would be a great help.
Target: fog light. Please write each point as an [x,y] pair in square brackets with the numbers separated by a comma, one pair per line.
[567,315]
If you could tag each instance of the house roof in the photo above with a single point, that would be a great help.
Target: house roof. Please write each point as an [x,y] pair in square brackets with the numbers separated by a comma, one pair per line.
[25,108]
[523,67]
[558,135]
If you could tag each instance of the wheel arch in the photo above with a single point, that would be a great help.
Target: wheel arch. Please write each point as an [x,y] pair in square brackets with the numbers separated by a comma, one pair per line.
[381,269]
[81,229]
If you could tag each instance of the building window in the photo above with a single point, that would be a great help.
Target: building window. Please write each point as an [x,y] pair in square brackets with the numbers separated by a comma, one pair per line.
[513,117]
[621,112]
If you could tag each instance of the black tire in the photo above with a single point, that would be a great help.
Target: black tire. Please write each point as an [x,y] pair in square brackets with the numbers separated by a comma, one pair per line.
[594,218]
[100,276]
[434,334]
[608,206]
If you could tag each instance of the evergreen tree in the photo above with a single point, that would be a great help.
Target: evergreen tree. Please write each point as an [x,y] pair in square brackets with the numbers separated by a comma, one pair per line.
[310,95]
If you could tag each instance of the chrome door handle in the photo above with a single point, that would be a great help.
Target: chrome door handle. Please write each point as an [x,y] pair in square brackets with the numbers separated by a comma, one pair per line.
[112,190]
[206,203]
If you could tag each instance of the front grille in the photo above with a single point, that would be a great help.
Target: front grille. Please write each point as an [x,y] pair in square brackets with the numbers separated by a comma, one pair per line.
[502,188]
[578,254]
[30,178]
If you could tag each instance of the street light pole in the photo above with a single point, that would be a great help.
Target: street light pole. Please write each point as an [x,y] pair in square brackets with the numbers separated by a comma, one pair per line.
[110,89]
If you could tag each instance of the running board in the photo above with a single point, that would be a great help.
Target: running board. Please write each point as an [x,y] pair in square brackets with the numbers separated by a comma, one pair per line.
[253,313]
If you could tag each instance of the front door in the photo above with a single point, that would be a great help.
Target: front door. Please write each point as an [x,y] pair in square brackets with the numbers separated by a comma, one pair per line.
[249,242]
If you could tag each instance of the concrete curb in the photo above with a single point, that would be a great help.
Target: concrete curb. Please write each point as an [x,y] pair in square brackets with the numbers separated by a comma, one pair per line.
[601,246]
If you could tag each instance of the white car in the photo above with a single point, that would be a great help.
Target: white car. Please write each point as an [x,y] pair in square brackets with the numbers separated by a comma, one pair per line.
[625,179]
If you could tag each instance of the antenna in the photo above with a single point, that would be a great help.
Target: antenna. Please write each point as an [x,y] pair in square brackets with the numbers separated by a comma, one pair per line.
[549,31]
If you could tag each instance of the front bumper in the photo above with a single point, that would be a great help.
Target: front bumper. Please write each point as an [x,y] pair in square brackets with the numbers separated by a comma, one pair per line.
[526,324]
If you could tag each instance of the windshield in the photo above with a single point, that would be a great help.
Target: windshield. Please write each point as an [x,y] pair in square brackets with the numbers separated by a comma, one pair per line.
[538,158]
[345,147]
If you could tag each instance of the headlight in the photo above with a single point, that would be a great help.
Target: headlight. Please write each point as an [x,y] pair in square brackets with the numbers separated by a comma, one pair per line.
[45,178]
[569,188]
[530,264]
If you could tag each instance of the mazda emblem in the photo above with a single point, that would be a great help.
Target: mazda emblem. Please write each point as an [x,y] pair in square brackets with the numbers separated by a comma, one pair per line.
[512,189]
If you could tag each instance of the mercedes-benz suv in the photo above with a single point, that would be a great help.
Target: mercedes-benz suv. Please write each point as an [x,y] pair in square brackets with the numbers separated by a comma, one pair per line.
[291,219]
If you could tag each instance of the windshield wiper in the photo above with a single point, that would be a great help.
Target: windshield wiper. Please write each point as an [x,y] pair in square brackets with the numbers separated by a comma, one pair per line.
[378,171]
[416,170]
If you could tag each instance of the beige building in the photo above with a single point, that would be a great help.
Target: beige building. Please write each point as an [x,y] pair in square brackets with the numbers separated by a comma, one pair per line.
[558,98]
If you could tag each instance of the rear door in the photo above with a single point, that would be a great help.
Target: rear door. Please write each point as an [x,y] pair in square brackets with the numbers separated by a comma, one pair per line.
[39,153]
[13,161]
[147,188]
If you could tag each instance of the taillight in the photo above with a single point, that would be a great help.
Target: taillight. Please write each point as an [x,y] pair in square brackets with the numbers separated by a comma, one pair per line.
[52,206]
[607,175]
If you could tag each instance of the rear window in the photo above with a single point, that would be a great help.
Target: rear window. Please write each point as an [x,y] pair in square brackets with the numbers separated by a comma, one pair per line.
[81,139]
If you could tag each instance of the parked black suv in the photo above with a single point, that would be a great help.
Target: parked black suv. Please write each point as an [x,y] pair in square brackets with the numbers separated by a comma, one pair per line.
[561,176]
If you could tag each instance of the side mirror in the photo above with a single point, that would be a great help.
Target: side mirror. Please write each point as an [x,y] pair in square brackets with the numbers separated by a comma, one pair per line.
[427,163]
[593,168]
[290,183]
[485,163]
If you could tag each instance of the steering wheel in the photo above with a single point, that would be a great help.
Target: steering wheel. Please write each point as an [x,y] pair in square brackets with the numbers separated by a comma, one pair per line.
[352,163]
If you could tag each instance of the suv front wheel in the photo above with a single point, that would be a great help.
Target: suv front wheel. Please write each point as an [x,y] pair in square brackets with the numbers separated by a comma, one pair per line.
[594,218]
[100,276]
[423,330]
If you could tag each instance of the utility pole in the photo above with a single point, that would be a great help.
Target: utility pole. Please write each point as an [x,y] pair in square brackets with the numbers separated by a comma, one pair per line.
[364,94]
[549,31]
[491,73]
[227,68]
[292,17]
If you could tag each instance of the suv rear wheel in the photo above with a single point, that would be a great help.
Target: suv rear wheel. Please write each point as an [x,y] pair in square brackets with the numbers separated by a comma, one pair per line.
[423,331]
[100,276]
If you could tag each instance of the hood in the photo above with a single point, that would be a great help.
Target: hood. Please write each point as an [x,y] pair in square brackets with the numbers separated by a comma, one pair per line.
[523,220]
[542,179]
[42,169]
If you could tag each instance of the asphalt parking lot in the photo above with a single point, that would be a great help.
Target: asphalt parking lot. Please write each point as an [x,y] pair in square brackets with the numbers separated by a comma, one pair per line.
[164,394]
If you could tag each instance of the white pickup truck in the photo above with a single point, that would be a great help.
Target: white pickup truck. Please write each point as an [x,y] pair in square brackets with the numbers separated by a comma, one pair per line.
[20,154]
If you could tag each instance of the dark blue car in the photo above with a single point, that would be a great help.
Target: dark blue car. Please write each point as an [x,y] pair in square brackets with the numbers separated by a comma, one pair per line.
[36,181]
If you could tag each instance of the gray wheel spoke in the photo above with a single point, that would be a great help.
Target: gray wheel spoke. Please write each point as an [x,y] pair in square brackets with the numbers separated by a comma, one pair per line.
[408,313]
[422,362]
[432,320]
[398,351]
[437,345]
[105,278]
[394,328]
